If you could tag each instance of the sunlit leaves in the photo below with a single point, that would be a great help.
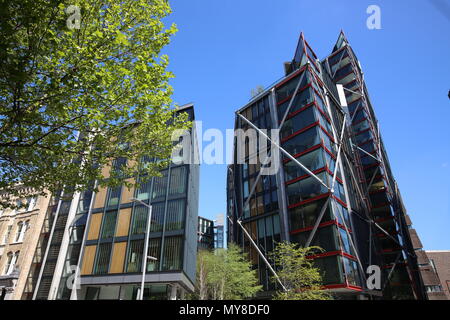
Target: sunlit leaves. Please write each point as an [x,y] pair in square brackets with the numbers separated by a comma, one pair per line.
[94,81]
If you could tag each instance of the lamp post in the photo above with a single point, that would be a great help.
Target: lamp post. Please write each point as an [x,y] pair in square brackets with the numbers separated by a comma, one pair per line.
[144,254]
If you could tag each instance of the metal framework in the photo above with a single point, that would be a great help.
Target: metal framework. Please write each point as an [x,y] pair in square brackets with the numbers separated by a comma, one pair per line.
[363,178]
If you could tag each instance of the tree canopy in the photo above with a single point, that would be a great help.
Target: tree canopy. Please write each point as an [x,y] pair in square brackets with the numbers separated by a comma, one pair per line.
[225,274]
[296,271]
[76,78]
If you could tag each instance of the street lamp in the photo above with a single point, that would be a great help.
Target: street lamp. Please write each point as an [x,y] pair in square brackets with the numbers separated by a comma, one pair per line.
[145,257]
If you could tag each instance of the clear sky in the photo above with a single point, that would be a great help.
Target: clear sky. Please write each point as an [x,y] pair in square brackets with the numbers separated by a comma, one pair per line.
[225,48]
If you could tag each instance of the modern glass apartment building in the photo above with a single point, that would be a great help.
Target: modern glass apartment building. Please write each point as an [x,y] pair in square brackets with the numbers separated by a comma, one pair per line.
[205,234]
[346,202]
[99,238]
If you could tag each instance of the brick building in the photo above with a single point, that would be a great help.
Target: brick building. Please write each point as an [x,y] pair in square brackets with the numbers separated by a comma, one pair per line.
[19,235]
[440,261]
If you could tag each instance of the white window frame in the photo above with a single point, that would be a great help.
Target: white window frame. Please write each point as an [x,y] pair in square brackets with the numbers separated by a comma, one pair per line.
[31,204]
[9,268]
[7,234]
[21,230]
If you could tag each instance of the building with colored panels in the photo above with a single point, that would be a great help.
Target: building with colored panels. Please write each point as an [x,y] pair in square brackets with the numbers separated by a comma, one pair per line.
[334,188]
[98,238]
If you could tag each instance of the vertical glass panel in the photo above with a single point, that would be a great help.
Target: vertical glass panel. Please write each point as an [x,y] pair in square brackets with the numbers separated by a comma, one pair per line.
[302,142]
[113,196]
[301,100]
[298,122]
[178,177]
[103,255]
[154,250]
[276,224]
[312,160]
[85,200]
[172,259]
[346,247]
[269,226]
[325,238]
[140,215]
[159,187]
[288,88]
[331,269]
[307,188]
[109,224]
[261,233]
[246,189]
[175,214]
[306,215]
[135,250]
[351,271]
[143,192]
[157,217]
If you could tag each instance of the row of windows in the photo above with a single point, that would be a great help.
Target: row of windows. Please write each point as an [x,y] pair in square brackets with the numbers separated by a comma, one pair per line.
[11,262]
[265,232]
[302,99]
[313,160]
[305,216]
[22,228]
[157,190]
[160,259]
[337,57]
[288,88]
[305,189]
[338,269]
[257,110]
[265,183]
[310,188]
[306,140]
[27,204]
[175,217]
[343,71]
[262,203]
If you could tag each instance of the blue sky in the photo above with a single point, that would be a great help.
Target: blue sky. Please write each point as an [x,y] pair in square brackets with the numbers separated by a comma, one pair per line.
[223,49]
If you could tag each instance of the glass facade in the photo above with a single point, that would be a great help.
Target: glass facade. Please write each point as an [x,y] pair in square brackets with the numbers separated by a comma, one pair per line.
[102,234]
[205,234]
[167,195]
[287,205]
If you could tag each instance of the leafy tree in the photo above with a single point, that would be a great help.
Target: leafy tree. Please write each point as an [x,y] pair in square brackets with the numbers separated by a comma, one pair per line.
[302,280]
[225,274]
[71,85]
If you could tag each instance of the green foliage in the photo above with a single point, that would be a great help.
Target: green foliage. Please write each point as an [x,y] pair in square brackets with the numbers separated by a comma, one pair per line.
[225,274]
[302,280]
[96,82]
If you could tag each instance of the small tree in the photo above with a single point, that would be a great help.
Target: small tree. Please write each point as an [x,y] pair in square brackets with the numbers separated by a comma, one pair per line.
[225,274]
[302,280]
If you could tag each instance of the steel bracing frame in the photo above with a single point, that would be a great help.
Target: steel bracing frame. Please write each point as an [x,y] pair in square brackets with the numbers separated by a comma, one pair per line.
[330,189]
[391,193]
[355,171]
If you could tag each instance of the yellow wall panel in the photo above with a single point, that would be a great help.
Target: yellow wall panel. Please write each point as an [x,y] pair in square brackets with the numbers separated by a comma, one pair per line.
[124,222]
[127,194]
[94,226]
[118,258]
[100,197]
[88,260]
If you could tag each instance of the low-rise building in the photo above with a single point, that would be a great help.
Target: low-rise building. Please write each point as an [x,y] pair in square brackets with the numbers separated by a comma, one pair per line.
[19,234]
[440,262]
